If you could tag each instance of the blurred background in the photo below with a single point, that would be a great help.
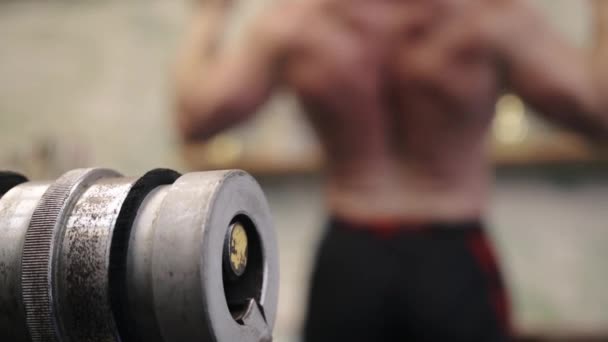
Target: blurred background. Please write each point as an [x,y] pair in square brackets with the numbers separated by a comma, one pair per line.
[87,83]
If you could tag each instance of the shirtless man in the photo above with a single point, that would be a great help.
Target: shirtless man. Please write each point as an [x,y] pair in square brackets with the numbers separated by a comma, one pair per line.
[402,95]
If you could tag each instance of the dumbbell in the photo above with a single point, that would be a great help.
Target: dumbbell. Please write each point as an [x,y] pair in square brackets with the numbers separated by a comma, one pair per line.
[95,256]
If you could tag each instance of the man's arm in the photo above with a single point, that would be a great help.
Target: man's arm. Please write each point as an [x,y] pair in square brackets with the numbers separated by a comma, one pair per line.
[564,83]
[600,10]
[216,89]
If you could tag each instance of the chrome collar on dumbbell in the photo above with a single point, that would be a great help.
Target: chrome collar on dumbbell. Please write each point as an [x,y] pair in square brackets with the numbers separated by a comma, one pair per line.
[98,257]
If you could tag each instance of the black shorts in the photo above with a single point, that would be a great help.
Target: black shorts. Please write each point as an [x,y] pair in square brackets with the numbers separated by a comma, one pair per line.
[432,282]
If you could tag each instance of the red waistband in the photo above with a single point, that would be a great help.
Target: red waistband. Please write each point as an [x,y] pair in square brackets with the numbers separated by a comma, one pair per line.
[391,227]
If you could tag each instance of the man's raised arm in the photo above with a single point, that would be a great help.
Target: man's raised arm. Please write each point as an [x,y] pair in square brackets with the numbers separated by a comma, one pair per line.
[564,83]
[216,88]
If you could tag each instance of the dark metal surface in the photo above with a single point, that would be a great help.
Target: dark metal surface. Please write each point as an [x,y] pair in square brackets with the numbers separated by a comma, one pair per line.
[120,295]
[9,180]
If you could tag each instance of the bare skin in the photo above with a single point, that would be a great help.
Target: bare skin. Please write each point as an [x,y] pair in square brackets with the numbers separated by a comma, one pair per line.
[400,92]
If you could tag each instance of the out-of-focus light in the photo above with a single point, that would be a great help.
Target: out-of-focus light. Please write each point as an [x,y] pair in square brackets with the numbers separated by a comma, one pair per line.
[510,125]
[223,150]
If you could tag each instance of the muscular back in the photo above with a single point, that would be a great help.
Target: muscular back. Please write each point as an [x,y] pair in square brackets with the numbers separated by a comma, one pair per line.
[400,92]
[401,111]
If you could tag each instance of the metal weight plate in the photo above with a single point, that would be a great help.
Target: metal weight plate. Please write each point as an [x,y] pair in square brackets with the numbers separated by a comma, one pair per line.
[186,266]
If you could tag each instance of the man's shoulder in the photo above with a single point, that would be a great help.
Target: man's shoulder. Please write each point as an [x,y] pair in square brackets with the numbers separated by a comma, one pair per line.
[284,22]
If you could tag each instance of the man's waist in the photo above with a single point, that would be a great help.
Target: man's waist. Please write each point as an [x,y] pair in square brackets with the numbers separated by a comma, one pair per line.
[413,209]
[387,228]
